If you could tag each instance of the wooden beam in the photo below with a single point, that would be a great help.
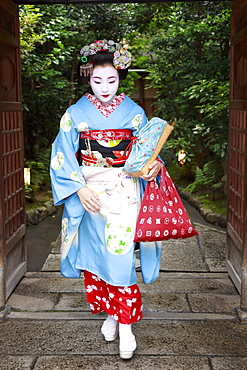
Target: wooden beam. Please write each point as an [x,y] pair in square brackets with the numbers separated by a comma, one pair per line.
[238,5]
[239,36]
[50,2]
[7,38]
[238,104]
[9,6]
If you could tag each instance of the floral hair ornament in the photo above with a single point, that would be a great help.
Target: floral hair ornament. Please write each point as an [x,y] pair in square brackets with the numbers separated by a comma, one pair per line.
[121,56]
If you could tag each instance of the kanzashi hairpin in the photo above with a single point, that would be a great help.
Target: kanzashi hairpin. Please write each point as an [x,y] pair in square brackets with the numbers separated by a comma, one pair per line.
[121,56]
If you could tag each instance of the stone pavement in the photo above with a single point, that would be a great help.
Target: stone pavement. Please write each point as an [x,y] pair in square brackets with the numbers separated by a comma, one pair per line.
[190,321]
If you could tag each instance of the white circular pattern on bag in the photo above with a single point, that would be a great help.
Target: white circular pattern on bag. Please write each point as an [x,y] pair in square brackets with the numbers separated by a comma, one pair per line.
[139,233]
[180,220]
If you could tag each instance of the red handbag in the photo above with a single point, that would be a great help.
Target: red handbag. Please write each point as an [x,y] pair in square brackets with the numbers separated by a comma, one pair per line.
[162,215]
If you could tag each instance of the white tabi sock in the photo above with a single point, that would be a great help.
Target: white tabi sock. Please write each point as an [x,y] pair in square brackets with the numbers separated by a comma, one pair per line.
[110,329]
[125,333]
[110,321]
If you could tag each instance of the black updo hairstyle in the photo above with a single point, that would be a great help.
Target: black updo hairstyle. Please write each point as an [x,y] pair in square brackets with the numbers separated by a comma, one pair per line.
[102,58]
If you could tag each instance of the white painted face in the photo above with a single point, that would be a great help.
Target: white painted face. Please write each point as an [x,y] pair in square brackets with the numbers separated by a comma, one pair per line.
[104,82]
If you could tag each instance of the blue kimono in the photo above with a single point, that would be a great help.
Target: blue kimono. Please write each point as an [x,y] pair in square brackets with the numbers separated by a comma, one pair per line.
[87,243]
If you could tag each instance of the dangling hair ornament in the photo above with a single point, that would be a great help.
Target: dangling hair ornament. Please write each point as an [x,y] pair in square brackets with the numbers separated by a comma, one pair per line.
[85,68]
[121,56]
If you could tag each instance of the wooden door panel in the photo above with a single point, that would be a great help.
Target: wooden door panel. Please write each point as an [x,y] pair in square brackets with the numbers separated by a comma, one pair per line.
[237,154]
[12,205]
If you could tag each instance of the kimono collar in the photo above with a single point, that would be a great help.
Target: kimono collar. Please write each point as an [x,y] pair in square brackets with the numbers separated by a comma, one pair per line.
[106,110]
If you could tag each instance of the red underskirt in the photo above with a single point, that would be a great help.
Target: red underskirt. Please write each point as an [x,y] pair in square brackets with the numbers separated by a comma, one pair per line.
[124,304]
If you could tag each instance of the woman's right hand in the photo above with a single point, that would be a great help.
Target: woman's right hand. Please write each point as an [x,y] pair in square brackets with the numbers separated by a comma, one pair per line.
[89,199]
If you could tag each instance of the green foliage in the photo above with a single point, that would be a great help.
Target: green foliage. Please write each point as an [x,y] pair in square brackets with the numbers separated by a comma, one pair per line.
[38,173]
[128,85]
[211,174]
[29,17]
[216,202]
[51,37]
[189,65]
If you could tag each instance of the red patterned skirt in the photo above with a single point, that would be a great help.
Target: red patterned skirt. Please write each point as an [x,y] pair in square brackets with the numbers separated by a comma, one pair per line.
[124,304]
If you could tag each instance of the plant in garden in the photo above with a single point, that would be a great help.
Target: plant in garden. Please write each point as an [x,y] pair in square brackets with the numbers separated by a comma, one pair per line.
[189,66]
[38,173]
[209,175]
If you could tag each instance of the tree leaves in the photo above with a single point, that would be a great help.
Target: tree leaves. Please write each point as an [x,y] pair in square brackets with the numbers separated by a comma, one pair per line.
[189,62]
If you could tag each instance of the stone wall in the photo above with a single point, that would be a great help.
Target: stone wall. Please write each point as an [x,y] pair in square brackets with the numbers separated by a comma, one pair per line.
[208,215]
[34,216]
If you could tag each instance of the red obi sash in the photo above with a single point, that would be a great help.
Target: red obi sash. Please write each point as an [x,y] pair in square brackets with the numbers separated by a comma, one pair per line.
[107,135]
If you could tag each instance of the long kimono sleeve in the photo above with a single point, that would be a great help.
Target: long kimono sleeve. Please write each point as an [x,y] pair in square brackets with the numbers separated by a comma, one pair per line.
[66,176]
[150,253]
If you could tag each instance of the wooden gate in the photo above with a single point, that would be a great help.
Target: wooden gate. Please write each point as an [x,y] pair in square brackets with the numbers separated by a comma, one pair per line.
[12,212]
[237,171]
[12,215]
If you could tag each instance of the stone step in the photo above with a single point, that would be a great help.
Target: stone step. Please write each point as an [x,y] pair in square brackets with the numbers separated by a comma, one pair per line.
[173,293]
[153,302]
[219,283]
[102,362]
[157,316]
[154,337]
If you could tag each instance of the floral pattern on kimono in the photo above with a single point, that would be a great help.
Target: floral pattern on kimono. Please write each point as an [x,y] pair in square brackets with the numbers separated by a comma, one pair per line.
[86,242]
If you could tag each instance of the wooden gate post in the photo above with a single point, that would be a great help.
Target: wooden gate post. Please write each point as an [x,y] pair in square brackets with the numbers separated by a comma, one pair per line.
[2,283]
[236,259]
[12,197]
[242,310]
[2,237]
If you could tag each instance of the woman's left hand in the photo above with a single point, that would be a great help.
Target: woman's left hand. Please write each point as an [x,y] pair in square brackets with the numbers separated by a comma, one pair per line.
[154,171]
